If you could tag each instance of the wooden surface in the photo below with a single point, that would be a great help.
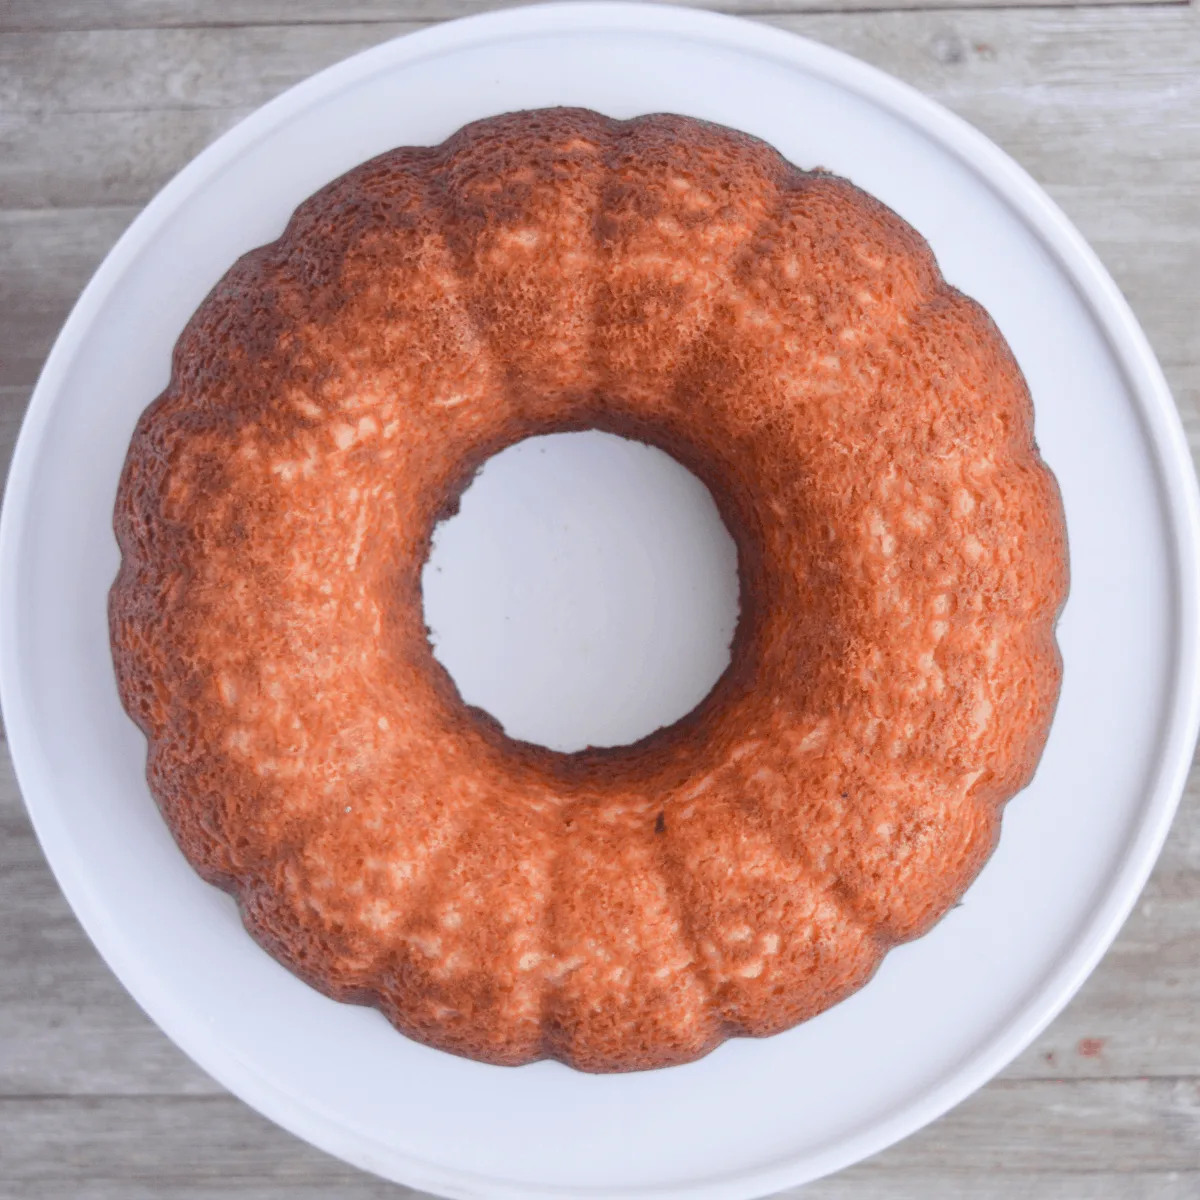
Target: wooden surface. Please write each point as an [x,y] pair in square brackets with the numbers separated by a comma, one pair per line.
[102,101]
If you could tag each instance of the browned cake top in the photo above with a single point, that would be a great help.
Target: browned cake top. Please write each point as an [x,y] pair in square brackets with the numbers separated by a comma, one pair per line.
[868,438]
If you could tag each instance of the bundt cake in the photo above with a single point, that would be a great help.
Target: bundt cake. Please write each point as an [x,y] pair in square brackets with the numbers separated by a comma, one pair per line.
[867,436]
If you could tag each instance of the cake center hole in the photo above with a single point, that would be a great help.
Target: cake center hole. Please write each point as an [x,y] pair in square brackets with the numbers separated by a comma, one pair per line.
[586,592]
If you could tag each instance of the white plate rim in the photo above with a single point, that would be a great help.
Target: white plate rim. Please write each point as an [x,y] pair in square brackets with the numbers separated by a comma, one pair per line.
[1156,410]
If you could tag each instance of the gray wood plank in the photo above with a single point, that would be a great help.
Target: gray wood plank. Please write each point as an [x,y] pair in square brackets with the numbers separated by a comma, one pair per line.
[46,257]
[1185,383]
[874,1183]
[1041,55]
[878,1180]
[1058,1136]
[99,159]
[1018,1126]
[118,70]
[19,15]
[150,1148]
[12,408]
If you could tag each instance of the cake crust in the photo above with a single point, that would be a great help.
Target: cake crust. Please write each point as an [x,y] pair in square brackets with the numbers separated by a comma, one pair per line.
[868,438]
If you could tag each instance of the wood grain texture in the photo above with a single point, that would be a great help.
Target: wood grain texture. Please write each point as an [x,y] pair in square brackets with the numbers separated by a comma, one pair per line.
[13,401]
[100,103]
[79,1147]
[21,15]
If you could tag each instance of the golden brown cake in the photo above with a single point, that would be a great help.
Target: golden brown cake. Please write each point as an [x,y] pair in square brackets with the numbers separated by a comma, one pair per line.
[867,436]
